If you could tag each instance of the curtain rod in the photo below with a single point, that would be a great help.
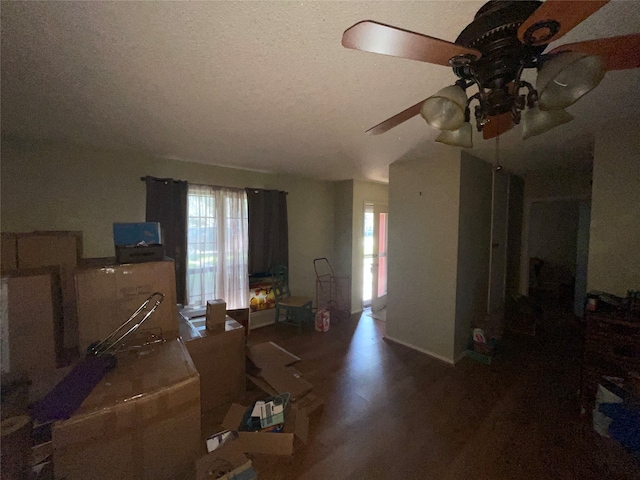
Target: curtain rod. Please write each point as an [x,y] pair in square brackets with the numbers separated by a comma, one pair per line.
[144,179]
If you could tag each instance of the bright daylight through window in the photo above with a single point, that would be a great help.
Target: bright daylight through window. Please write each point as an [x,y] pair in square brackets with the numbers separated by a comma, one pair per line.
[217,246]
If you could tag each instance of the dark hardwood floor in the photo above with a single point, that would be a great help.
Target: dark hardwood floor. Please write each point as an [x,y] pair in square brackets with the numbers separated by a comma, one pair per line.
[391,412]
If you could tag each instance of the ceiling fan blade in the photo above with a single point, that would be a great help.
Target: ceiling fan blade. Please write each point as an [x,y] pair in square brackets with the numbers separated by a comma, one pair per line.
[379,38]
[497,125]
[618,53]
[396,120]
[554,18]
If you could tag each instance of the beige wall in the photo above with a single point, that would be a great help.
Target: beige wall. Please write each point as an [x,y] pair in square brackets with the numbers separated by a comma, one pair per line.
[363,192]
[614,245]
[474,237]
[424,201]
[557,183]
[66,187]
[343,219]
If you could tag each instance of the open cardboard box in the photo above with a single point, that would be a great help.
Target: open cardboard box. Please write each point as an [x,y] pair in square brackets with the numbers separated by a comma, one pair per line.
[225,463]
[296,425]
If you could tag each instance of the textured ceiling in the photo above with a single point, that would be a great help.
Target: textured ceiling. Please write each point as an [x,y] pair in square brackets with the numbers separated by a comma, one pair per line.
[264,85]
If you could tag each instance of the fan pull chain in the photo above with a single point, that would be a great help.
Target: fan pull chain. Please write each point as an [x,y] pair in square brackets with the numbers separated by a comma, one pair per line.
[498,167]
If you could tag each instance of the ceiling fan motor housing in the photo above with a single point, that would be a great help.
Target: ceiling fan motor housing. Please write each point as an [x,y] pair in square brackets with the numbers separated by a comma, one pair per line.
[494,32]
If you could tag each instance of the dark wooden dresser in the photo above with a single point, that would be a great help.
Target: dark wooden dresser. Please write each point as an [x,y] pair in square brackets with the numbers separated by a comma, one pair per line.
[611,347]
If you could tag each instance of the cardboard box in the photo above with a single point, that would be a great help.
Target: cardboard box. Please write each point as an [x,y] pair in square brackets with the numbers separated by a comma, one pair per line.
[241,315]
[61,248]
[296,425]
[311,405]
[219,359]
[226,463]
[216,314]
[41,249]
[142,421]
[125,234]
[8,252]
[32,321]
[107,296]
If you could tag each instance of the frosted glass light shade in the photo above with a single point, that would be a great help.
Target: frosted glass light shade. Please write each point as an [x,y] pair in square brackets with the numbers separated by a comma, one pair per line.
[536,121]
[445,109]
[457,138]
[566,78]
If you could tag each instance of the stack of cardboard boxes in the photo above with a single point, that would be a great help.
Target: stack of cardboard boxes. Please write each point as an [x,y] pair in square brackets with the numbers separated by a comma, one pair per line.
[145,417]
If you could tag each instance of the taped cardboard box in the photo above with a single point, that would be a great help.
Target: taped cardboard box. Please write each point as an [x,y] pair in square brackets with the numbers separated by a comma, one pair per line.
[142,421]
[219,359]
[108,295]
[296,425]
[61,248]
[31,321]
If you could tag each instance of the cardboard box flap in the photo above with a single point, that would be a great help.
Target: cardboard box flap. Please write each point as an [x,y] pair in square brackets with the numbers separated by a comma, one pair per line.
[286,379]
[266,443]
[233,418]
[223,463]
[270,354]
[261,384]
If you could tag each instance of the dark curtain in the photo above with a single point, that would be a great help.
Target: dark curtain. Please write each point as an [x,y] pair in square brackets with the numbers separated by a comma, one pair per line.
[268,229]
[167,204]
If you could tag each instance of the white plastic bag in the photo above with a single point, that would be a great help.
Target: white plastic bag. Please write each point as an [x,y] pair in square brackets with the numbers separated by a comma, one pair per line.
[322,320]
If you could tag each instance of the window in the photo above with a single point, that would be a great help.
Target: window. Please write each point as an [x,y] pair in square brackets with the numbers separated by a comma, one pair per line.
[217,246]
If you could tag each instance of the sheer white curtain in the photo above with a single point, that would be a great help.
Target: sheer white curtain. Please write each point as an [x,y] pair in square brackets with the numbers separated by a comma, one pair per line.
[218,245]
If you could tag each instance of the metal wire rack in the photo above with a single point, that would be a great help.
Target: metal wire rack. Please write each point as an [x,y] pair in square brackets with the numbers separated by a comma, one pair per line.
[333,292]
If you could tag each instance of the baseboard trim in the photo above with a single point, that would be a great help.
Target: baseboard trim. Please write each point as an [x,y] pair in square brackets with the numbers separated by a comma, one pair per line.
[421,350]
[460,357]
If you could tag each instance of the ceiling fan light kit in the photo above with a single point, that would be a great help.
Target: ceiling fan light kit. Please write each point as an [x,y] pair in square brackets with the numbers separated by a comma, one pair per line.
[567,77]
[536,121]
[490,54]
[461,137]
[445,110]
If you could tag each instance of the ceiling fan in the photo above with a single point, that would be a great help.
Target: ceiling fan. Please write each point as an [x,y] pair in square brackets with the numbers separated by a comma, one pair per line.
[504,38]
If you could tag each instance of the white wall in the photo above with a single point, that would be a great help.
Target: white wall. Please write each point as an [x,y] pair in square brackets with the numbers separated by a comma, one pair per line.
[614,245]
[48,186]
[474,231]
[424,201]
[363,192]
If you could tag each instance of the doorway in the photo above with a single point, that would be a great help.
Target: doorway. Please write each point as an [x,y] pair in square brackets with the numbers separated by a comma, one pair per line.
[374,274]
